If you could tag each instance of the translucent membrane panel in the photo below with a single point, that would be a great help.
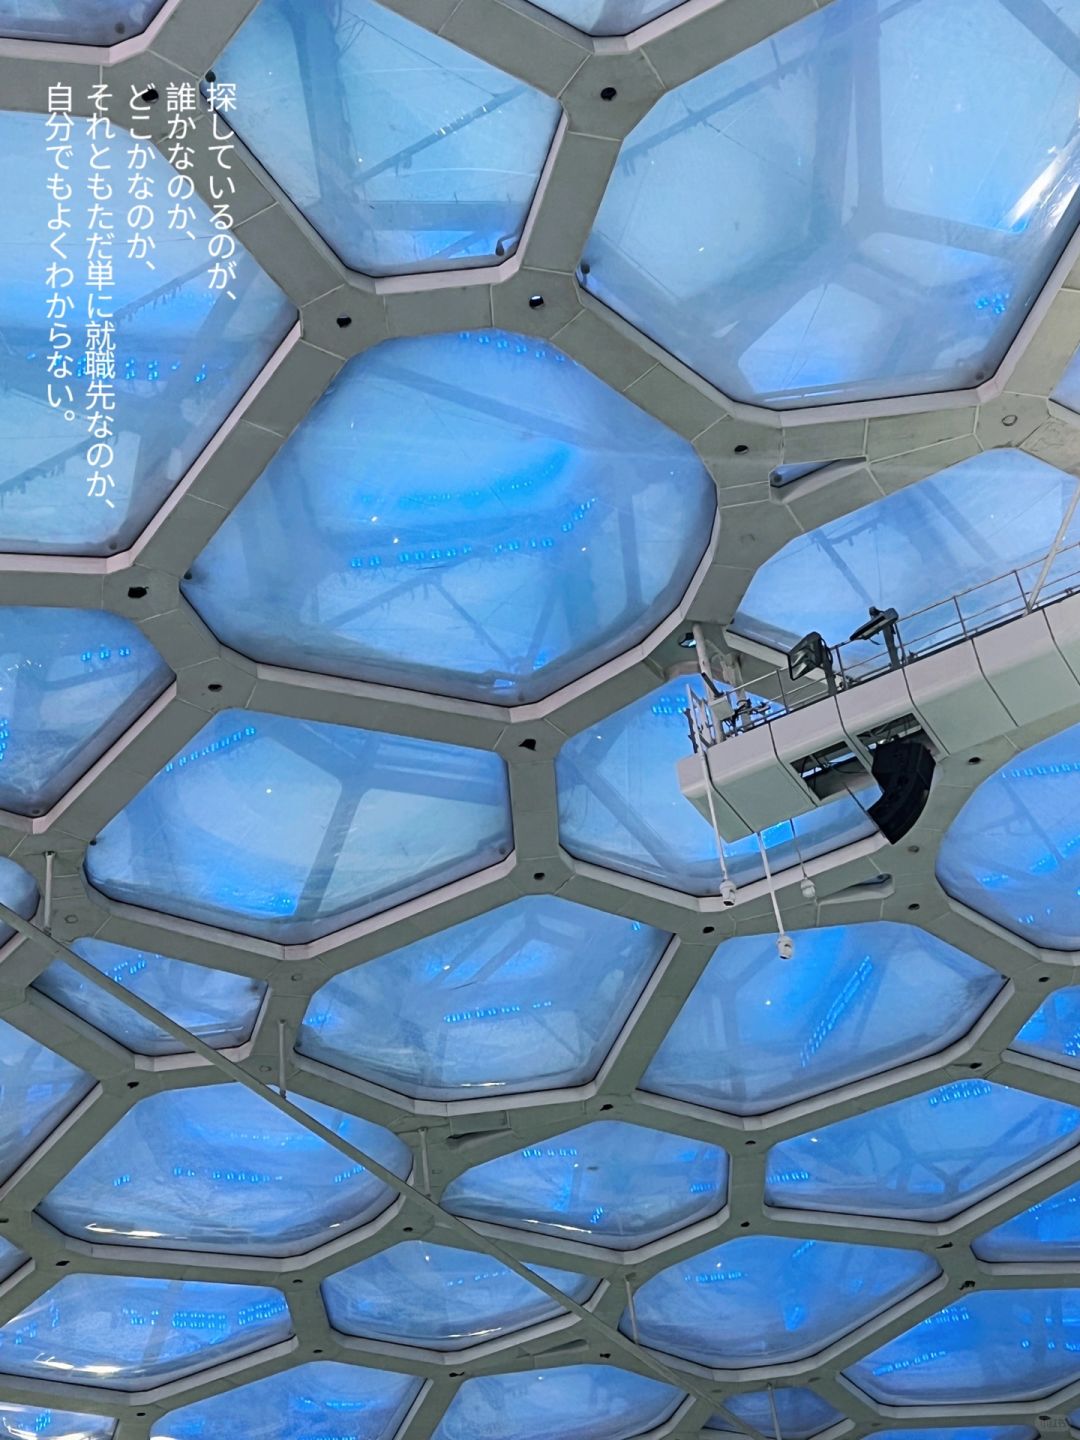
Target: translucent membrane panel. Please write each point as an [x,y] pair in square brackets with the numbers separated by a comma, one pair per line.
[10,1259]
[71,682]
[184,353]
[289,829]
[1013,851]
[573,1402]
[526,997]
[608,17]
[620,805]
[1067,390]
[607,1183]
[310,1402]
[28,1422]
[967,1432]
[486,519]
[963,530]
[799,1411]
[924,1158]
[406,153]
[995,1346]
[766,1299]
[888,243]
[18,889]
[37,1089]
[219,1008]
[1053,1032]
[1047,1232]
[86,22]
[125,1332]
[440,1298]
[217,1168]
[757,1032]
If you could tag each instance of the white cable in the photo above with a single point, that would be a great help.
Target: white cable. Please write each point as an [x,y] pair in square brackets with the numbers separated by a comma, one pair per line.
[784,944]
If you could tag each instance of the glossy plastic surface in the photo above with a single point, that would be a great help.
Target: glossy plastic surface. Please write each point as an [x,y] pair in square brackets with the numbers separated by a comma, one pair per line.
[913,551]
[799,1411]
[28,1422]
[83,22]
[185,355]
[216,1168]
[217,1006]
[527,997]
[924,1158]
[758,1032]
[37,1089]
[620,805]
[608,17]
[1013,851]
[486,519]
[11,1257]
[890,242]
[19,890]
[440,1298]
[1053,1032]
[765,1300]
[993,1346]
[1046,1232]
[71,682]
[572,1402]
[125,1332]
[309,1402]
[406,153]
[289,829]
[607,1183]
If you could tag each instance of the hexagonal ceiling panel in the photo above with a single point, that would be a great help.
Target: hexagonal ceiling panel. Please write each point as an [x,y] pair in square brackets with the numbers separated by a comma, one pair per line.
[924,1158]
[185,355]
[127,1332]
[1047,1232]
[607,17]
[758,1032]
[860,249]
[406,153]
[620,805]
[792,1412]
[71,683]
[316,1400]
[218,1169]
[766,1300]
[573,1402]
[37,1089]
[219,1007]
[22,1422]
[86,22]
[233,831]
[957,533]
[607,1183]
[486,520]
[18,889]
[497,1005]
[1013,851]
[991,1347]
[1053,1032]
[439,1298]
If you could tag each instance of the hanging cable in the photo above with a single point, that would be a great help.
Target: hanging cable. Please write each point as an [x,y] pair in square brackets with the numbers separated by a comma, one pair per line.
[785,946]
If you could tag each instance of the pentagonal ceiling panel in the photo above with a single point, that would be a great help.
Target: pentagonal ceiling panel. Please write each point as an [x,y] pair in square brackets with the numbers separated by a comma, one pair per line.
[572,1402]
[527,997]
[85,22]
[405,152]
[125,1332]
[71,682]
[765,1300]
[309,1402]
[960,532]
[18,889]
[888,243]
[791,1411]
[233,831]
[483,518]
[924,1158]
[1045,1233]
[219,1007]
[185,351]
[607,1183]
[439,1298]
[620,805]
[218,1169]
[1013,851]
[1053,1032]
[991,1347]
[757,1031]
